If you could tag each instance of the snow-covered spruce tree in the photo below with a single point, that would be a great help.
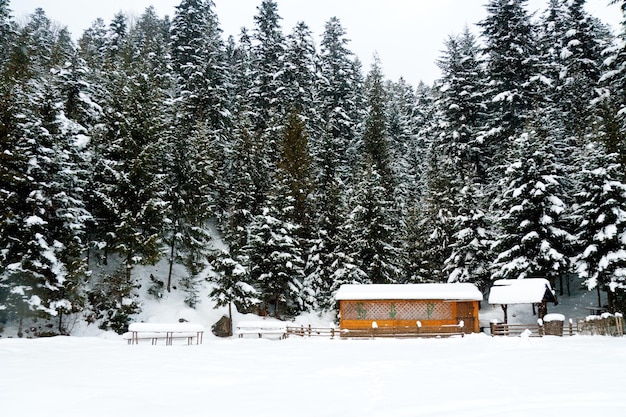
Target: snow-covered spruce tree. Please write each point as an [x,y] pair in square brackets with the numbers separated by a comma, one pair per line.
[430,221]
[199,62]
[601,220]
[301,77]
[275,260]
[613,104]
[452,225]
[295,171]
[43,220]
[327,265]
[585,39]
[337,89]
[405,121]
[196,164]
[533,237]
[239,57]
[461,102]
[510,52]
[371,227]
[91,44]
[248,179]
[231,280]
[114,300]
[550,42]
[570,43]
[266,95]
[471,242]
[286,218]
[375,142]
[127,185]
[7,31]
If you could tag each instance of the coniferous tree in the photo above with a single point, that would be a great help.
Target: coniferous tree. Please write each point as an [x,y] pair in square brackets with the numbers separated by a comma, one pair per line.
[337,93]
[371,226]
[613,103]
[462,106]
[471,242]
[295,170]
[511,65]
[534,240]
[231,283]
[43,214]
[301,76]
[266,95]
[126,187]
[275,261]
[196,166]
[601,222]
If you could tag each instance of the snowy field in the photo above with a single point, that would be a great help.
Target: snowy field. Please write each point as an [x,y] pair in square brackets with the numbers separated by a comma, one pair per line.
[472,376]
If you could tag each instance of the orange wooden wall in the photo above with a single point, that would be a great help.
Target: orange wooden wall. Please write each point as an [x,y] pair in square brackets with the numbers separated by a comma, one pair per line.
[359,314]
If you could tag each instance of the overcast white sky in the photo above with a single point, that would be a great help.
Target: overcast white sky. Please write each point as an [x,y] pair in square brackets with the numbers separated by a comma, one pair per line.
[408,35]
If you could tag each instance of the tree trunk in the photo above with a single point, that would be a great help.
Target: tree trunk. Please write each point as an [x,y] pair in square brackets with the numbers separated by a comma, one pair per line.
[230,316]
[169,274]
[20,322]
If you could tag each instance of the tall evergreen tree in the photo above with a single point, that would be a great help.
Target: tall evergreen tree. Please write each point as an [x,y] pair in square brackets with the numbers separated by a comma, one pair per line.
[43,217]
[126,191]
[534,237]
[276,263]
[337,93]
[371,225]
[266,95]
[601,219]
[511,66]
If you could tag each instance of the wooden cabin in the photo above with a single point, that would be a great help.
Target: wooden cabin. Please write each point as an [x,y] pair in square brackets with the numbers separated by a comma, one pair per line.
[534,291]
[403,305]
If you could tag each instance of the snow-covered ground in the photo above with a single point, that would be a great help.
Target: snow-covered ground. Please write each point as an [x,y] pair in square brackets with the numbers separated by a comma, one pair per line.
[95,373]
[472,376]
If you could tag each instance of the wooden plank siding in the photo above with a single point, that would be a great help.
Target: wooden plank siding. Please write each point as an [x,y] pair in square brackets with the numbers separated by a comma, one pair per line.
[360,314]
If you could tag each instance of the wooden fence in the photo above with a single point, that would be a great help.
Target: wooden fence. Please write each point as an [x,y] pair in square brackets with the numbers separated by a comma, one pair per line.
[606,325]
[374,332]
[603,325]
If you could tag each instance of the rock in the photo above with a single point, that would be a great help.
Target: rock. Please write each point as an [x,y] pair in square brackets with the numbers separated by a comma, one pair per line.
[223,327]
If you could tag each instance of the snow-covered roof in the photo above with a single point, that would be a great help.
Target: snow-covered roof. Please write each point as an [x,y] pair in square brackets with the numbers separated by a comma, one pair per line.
[456,291]
[520,291]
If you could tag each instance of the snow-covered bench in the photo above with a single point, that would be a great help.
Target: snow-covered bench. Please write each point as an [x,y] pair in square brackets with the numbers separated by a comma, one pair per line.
[261,328]
[164,331]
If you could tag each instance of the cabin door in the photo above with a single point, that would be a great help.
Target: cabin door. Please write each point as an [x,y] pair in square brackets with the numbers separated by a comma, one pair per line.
[466,311]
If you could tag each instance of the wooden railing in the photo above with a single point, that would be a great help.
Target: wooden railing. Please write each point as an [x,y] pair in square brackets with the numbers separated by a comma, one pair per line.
[568,328]
[506,329]
[374,332]
[602,325]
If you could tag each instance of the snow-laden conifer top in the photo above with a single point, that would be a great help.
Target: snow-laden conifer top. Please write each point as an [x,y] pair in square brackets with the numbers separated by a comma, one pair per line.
[455,291]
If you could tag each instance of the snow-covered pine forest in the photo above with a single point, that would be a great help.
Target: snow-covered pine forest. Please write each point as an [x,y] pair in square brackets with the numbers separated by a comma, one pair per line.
[275,166]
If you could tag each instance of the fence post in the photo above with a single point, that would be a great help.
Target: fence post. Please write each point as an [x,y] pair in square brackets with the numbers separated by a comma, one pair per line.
[540,325]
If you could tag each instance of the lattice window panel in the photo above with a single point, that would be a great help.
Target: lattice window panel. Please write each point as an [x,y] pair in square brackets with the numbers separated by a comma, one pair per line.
[399,310]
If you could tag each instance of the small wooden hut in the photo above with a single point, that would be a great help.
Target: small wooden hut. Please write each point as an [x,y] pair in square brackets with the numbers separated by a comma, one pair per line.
[403,305]
[534,291]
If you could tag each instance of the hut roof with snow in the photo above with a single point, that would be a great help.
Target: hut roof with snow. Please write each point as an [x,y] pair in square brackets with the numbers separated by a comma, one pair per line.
[459,291]
[521,291]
